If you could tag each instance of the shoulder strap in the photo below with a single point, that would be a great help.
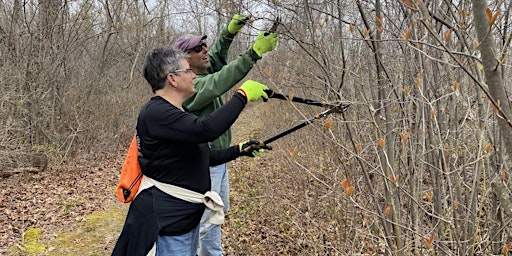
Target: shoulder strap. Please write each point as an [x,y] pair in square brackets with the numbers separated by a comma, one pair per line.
[139,176]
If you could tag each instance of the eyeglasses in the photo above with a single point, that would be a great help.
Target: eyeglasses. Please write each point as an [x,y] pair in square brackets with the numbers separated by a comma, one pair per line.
[187,70]
[198,48]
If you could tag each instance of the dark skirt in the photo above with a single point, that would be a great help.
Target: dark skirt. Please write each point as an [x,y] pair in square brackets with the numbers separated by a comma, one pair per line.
[154,213]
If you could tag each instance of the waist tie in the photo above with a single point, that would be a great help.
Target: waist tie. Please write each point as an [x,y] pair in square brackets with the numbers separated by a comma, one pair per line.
[211,199]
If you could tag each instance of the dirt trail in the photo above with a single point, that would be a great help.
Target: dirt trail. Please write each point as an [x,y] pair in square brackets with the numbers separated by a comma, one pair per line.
[55,201]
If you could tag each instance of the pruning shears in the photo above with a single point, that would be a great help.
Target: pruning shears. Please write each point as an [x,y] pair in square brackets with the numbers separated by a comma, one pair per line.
[244,20]
[273,29]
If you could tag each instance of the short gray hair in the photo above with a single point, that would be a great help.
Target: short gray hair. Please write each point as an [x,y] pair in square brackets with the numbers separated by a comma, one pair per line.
[159,63]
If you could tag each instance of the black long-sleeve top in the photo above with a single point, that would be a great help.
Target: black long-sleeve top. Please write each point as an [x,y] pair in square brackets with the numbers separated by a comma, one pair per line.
[175,144]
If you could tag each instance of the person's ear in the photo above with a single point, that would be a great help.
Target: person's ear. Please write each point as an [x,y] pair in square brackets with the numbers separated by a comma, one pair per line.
[171,78]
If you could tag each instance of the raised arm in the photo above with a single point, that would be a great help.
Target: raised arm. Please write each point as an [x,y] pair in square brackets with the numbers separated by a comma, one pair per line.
[171,124]
[218,52]
[210,86]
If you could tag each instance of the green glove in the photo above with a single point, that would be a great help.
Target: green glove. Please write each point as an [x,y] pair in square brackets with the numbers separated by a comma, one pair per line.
[236,23]
[253,90]
[264,44]
[252,148]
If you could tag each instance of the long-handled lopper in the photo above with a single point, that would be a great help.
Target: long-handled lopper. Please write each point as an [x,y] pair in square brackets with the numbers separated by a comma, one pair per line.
[275,95]
[335,109]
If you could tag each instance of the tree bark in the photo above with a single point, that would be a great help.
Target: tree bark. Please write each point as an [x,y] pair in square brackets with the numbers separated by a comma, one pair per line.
[492,71]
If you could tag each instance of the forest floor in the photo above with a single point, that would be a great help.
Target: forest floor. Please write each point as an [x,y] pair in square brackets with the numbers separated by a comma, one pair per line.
[71,209]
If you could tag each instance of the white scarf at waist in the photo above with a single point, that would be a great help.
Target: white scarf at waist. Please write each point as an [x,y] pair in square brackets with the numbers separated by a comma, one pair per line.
[211,199]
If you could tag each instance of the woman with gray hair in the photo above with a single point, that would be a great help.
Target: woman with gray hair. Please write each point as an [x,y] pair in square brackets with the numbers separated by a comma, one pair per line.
[174,156]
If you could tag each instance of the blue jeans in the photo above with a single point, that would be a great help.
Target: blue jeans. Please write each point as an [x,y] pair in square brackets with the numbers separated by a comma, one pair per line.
[182,245]
[210,235]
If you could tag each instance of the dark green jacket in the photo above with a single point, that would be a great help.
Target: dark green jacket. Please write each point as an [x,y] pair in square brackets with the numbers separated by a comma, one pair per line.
[219,79]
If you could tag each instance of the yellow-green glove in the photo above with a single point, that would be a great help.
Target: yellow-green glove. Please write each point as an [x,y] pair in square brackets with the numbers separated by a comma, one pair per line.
[252,148]
[264,44]
[253,90]
[236,23]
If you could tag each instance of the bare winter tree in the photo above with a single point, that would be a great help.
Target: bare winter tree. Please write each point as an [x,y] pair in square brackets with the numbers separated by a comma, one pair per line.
[422,133]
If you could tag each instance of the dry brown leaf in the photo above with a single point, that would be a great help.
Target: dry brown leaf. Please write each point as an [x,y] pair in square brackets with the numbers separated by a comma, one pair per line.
[404,137]
[495,16]
[417,80]
[433,113]
[382,143]
[407,34]
[488,148]
[429,196]
[345,183]
[455,85]
[394,178]
[488,13]
[448,36]
[406,90]
[380,29]
[379,19]
[455,205]
[506,248]
[349,191]
[290,96]
[409,4]
[386,210]
[491,18]
[293,152]
[328,123]
[475,44]
[358,147]
[429,241]
[495,108]
[463,13]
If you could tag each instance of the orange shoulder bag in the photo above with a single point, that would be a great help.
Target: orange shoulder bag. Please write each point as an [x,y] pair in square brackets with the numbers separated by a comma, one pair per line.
[131,174]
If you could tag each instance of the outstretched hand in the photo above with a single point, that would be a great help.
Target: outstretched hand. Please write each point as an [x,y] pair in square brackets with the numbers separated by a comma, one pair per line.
[252,148]
[236,23]
[264,43]
[253,90]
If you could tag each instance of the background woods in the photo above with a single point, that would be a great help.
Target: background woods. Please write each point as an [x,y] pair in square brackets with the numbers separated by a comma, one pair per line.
[419,163]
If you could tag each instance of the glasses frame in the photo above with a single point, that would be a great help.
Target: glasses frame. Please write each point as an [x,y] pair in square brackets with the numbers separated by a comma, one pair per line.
[186,71]
[198,48]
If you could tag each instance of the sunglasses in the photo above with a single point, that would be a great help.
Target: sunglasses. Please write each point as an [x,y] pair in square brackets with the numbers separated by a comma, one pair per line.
[198,48]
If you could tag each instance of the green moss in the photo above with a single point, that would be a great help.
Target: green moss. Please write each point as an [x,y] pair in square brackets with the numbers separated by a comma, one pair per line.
[30,245]
[34,248]
[95,236]
[32,234]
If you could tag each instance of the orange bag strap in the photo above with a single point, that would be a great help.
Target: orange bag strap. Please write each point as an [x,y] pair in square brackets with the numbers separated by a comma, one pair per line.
[139,176]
